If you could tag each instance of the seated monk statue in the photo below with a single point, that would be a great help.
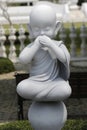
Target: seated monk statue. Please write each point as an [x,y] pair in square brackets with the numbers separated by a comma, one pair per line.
[49,58]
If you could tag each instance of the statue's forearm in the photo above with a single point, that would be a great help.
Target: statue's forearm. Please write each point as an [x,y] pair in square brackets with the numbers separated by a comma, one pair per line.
[59,53]
[28,53]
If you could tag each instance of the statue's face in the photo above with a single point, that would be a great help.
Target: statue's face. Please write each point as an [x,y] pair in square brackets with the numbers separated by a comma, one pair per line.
[43,22]
[43,29]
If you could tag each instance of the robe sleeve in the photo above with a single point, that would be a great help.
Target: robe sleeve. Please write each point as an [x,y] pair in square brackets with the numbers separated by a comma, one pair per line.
[64,68]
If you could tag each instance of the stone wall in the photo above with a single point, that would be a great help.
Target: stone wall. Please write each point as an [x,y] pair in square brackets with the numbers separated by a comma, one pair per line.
[8,98]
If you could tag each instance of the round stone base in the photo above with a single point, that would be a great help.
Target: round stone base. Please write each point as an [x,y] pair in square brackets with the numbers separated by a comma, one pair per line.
[47,115]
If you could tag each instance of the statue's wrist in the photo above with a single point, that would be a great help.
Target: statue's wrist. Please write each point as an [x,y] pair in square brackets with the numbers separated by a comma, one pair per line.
[38,45]
[51,45]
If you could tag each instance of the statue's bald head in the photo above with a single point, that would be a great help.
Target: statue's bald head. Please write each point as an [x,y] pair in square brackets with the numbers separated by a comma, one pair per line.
[43,21]
[42,14]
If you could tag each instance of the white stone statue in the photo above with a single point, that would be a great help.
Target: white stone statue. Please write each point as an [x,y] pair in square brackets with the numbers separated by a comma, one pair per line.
[48,83]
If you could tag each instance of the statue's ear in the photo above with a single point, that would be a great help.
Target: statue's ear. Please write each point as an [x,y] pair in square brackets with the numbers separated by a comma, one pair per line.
[57,27]
[30,31]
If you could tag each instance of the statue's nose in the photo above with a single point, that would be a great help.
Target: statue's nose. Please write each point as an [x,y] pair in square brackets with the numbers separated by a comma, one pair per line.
[42,32]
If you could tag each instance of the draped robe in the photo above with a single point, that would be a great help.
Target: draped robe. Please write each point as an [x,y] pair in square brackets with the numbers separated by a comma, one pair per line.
[48,79]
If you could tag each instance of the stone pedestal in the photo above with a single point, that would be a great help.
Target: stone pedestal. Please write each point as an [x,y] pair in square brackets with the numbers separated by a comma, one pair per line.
[47,115]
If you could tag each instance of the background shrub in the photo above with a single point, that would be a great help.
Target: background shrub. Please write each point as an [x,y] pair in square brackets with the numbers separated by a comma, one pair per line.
[6,65]
[75,125]
[25,125]
[17,125]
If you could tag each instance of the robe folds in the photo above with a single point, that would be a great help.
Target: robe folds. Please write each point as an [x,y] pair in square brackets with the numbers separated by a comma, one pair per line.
[48,79]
